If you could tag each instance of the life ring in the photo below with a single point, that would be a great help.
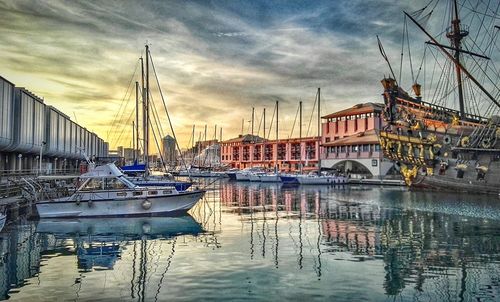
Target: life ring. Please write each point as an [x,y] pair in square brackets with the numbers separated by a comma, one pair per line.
[447,139]
[465,141]
[486,143]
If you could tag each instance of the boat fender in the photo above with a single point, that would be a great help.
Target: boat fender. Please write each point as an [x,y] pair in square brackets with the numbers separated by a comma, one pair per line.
[465,141]
[146,204]
[146,228]
[90,203]
[447,139]
[78,199]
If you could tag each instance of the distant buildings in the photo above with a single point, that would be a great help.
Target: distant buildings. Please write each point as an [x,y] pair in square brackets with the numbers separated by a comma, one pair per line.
[169,151]
[253,151]
[348,144]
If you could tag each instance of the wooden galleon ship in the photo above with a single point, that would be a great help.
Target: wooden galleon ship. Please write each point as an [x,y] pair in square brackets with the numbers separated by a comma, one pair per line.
[448,138]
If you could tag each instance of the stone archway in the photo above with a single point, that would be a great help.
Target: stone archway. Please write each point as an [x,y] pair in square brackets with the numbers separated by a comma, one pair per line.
[354,169]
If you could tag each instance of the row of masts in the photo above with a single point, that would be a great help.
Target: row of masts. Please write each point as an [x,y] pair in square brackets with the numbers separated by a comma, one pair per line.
[318,99]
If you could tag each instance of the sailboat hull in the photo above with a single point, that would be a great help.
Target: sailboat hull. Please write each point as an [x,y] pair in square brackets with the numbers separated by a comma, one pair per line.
[270,178]
[242,177]
[171,204]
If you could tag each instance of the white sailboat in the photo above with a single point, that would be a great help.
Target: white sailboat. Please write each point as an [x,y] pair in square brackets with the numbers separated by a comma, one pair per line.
[319,178]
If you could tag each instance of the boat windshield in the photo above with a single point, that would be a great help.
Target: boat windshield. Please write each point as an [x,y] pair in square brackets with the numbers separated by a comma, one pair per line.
[104,184]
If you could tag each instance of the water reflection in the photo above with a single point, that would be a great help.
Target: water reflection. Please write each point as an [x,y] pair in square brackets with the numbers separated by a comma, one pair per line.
[267,242]
[423,250]
[97,243]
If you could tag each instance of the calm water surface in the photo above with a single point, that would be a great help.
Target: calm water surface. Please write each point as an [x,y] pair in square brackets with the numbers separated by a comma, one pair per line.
[267,242]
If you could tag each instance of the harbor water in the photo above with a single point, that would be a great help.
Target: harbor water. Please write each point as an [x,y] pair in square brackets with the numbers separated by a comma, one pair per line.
[266,242]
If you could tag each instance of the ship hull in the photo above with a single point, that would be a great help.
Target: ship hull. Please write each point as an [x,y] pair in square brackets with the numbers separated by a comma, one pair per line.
[170,204]
[451,184]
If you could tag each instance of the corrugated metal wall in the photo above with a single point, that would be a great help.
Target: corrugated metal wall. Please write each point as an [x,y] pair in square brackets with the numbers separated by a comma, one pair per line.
[6,114]
[26,122]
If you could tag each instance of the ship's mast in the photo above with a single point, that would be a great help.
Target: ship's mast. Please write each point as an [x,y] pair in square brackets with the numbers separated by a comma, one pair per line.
[456,35]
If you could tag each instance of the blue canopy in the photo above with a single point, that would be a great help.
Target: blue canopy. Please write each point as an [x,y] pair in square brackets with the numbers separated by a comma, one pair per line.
[135,168]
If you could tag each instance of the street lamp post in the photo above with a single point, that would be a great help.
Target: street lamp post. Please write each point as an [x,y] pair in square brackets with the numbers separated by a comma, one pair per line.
[40,159]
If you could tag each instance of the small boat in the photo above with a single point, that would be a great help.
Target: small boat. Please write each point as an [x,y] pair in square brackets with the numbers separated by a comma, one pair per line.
[246,174]
[255,176]
[289,178]
[270,177]
[232,174]
[105,191]
[314,179]
[243,176]
[136,174]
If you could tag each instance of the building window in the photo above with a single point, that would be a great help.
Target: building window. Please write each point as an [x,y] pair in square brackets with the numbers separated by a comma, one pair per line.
[354,148]
[377,147]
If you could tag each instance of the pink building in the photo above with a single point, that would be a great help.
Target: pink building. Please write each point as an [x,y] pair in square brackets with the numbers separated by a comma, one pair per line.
[253,151]
[350,141]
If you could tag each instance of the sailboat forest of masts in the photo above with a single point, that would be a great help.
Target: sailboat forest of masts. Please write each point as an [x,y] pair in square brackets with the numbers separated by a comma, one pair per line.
[256,174]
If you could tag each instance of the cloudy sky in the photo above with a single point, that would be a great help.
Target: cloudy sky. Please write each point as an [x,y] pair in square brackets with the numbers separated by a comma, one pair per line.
[215,59]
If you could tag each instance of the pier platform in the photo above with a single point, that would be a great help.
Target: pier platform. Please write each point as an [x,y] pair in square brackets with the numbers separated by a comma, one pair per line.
[374,181]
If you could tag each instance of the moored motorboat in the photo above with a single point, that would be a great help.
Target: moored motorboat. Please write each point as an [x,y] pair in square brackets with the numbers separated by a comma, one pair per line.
[270,177]
[313,179]
[105,191]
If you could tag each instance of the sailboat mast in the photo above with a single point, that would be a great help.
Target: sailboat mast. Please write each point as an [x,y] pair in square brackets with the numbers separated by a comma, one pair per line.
[300,136]
[264,117]
[133,137]
[146,109]
[143,109]
[276,163]
[319,130]
[456,36]
[136,130]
